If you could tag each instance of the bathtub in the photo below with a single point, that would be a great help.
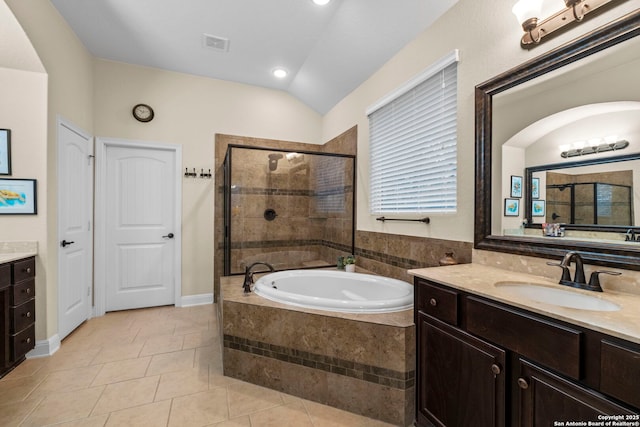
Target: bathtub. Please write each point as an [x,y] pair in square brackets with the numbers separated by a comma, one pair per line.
[336,291]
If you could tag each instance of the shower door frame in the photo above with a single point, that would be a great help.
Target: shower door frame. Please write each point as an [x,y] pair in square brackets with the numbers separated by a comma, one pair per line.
[228,168]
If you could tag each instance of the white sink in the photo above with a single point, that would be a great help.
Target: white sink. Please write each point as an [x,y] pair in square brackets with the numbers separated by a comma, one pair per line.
[557,297]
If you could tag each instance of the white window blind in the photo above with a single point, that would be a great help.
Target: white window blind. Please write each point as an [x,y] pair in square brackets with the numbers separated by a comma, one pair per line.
[413,147]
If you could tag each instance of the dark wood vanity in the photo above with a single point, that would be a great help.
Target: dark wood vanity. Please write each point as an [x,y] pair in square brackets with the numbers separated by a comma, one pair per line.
[17,312]
[481,362]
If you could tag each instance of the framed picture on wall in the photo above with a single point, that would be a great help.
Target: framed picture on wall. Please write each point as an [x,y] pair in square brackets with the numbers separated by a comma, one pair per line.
[5,152]
[535,188]
[538,208]
[18,196]
[511,207]
[516,186]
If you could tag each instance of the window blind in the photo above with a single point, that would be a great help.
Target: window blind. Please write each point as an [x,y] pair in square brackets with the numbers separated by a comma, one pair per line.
[413,148]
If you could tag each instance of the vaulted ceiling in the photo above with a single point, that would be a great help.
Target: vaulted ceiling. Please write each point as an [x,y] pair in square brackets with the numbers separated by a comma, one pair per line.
[328,50]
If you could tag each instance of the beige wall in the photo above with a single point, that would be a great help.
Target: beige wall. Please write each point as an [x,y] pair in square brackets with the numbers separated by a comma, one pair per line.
[190,110]
[487,36]
[24,91]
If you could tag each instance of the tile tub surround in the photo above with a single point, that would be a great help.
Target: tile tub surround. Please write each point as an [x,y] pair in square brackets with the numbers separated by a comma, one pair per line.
[391,255]
[362,363]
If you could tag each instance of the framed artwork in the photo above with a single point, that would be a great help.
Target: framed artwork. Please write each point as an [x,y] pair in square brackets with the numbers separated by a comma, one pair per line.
[535,188]
[5,152]
[538,208]
[516,186]
[18,196]
[511,207]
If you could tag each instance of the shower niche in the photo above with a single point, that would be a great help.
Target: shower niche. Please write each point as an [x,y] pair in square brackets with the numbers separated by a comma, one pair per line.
[290,209]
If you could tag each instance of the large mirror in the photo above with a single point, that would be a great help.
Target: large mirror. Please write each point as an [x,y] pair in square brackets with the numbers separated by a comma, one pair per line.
[555,132]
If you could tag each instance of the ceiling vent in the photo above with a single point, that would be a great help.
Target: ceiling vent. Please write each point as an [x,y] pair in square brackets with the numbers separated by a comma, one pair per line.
[216,43]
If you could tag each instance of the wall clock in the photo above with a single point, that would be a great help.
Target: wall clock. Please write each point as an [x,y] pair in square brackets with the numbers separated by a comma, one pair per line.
[143,113]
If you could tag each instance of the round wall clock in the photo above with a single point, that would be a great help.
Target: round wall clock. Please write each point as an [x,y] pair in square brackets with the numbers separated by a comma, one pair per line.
[143,113]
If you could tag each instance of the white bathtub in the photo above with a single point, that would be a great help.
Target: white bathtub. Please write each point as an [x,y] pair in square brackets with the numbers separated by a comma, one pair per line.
[336,291]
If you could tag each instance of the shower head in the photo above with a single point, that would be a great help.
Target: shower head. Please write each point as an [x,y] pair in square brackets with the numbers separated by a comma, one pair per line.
[295,158]
[273,161]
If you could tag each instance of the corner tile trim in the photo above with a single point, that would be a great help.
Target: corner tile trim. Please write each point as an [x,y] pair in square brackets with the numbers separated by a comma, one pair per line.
[373,374]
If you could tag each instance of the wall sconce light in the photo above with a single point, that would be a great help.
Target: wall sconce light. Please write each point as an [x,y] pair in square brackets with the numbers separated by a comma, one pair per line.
[593,146]
[528,13]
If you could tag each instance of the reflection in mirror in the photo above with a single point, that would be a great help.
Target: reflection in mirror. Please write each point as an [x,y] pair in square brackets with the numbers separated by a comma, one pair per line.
[583,113]
[597,194]
[528,116]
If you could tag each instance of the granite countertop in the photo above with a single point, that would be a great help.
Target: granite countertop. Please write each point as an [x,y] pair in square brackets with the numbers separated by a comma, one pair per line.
[480,280]
[8,257]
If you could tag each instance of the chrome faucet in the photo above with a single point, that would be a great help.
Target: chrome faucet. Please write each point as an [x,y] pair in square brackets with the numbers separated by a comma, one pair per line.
[579,280]
[248,275]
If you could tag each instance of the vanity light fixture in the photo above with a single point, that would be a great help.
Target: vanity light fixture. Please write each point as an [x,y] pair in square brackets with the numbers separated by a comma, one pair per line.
[593,146]
[321,2]
[528,14]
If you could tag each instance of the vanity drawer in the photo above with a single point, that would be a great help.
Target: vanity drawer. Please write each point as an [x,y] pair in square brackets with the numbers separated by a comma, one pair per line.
[552,345]
[23,292]
[23,270]
[5,275]
[23,315]
[620,372]
[437,302]
[22,342]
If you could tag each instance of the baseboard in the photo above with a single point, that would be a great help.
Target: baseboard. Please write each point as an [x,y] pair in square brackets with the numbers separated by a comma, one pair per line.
[191,300]
[45,348]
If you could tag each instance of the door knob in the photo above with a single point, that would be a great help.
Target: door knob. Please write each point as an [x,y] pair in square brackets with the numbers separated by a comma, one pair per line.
[170,236]
[64,243]
[523,383]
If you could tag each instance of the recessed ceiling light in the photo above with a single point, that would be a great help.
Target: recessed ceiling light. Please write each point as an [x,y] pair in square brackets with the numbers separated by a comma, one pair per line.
[321,2]
[280,73]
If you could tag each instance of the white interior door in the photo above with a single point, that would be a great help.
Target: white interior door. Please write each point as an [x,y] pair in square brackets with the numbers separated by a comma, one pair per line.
[75,216]
[140,227]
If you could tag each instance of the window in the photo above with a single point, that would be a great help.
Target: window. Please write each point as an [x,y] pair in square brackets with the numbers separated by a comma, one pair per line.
[413,144]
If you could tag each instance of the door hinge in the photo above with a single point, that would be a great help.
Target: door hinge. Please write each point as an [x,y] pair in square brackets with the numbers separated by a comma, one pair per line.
[89,157]
[89,291]
[88,225]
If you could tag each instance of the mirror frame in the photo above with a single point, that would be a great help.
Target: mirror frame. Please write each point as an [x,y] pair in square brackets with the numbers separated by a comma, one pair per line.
[598,253]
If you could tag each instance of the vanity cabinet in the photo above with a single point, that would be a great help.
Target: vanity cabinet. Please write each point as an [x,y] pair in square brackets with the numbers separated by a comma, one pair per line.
[17,320]
[457,370]
[485,363]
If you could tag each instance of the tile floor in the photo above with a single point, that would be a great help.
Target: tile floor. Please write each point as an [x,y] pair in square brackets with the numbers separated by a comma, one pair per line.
[150,367]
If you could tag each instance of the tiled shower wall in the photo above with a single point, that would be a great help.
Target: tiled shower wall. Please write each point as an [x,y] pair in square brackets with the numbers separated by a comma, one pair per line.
[312,199]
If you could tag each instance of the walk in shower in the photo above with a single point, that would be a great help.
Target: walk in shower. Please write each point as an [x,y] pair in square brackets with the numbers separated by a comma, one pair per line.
[290,209]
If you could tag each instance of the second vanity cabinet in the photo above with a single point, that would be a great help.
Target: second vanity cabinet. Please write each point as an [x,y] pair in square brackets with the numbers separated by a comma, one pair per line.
[484,363]
[17,312]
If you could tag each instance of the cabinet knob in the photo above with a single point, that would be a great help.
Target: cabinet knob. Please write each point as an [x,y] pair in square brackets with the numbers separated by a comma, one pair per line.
[27,314]
[495,369]
[28,340]
[433,302]
[523,384]
[27,270]
[28,291]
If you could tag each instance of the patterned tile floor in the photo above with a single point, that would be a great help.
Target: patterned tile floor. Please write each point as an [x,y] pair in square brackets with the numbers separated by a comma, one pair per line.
[150,367]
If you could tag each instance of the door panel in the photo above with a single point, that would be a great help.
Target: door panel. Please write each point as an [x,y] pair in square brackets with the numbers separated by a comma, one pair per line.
[75,201]
[140,206]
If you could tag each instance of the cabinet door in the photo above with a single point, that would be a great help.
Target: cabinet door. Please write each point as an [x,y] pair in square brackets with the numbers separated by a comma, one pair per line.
[461,379]
[546,398]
